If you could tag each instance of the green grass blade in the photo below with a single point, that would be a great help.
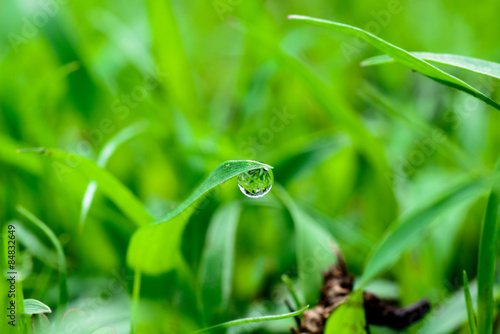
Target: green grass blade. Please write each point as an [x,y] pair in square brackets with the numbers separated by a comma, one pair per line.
[349,317]
[252,320]
[35,247]
[486,264]
[87,200]
[338,109]
[475,65]
[470,309]
[107,151]
[170,56]
[126,134]
[106,181]
[217,263]
[154,248]
[122,37]
[63,284]
[219,175]
[450,315]
[405,231]
[314,248]
[443,145]
[402,56]
[33,306]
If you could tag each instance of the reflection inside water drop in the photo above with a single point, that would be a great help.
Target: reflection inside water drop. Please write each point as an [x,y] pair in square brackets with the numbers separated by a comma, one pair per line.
[256,182]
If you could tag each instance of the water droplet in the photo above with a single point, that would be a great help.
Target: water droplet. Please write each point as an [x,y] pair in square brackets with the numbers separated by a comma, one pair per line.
[256,182]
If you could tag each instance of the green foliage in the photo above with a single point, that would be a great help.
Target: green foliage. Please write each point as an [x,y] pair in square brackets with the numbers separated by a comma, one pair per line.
[402,56]
[66,163]
[448,149]
[219,175]
[154,249]
[349,317]
[289,284]
[315,248]
[217,263]
[467,63]
[451,313]
[61,259]
[470,308]
[144,229]
[404,233]
[36,247]
[107,151]
[256,319]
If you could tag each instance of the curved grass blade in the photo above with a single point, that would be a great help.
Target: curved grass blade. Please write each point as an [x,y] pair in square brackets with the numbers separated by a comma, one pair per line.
[470,308]
[349,317]
[251,320]
[107,182]
[220,174]
[486,262]
[402,56]
[475,65]
[33,306]
[217,263]
[314,248]
[338,109]
[154,248]
[63,284]
[120,138]
[405,231]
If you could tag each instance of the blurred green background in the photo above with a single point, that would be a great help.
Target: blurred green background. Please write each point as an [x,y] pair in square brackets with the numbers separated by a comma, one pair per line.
[223,80]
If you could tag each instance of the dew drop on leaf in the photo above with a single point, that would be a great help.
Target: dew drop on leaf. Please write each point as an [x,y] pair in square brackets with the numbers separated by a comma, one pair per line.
[256,182]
